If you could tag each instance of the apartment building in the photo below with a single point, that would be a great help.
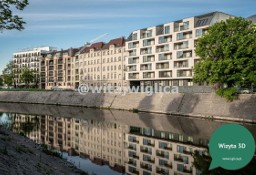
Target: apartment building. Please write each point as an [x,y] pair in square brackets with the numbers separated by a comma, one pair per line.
[103,64]
[164,55]
[29,125]
[100,141]
[156,152]
[56,132]
[59,69]
[28,58]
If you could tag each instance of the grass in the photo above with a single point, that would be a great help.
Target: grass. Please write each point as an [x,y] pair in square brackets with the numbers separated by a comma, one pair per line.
[24,89]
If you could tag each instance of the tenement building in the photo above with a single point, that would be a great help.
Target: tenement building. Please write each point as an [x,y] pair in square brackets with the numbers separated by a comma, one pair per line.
[28,58]
[164,55]
[103,64]
[59,69]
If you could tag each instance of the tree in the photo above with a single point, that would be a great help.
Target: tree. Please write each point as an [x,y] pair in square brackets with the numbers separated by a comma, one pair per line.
[1,81]
[9,74]
[8,20]
[202,163]
[228,56]
[27,76]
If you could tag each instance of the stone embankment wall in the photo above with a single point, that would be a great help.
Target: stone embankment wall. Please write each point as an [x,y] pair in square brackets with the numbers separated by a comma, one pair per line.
[197,105]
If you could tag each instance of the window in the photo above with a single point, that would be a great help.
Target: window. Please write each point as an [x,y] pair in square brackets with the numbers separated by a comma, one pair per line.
[166,29]
[161,40]
[201,22]
[149,33]
[146,43]
[180,36]
[199,32]
[179,54]
[134,36]
[186,25]
[162,145]
[180,149]
[162,162]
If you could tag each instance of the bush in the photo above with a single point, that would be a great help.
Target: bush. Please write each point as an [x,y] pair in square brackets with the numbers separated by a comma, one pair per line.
[229,93]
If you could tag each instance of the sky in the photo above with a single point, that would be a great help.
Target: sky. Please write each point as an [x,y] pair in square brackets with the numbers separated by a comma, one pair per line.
[72,23]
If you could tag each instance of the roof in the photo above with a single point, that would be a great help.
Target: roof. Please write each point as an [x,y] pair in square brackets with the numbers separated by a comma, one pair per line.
[117,42]
[252,18]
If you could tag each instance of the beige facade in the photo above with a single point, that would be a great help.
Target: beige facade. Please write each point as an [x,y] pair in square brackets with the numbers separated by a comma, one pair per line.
[164,54]
[29,125]
[29,58]
[59,69]
[101,141]
[56,132]
[103,64]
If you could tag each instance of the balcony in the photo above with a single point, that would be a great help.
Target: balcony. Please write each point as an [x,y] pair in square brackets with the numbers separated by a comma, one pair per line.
[133,139]
[146,67]
[168,165]
[133,60]
[135,156]
[134,76]
[163,48]
[149,75]
[162,154]
[182,45]
[146,166]
[162,66]
[162,171]
[183,64]
[131,147]
[132,162]
[168,148]
[184,73]
[132,68]
[146,150]
[179,158]
[184,54]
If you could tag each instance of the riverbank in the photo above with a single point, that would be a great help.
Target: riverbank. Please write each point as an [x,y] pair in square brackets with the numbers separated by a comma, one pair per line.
[19,155]
[202,105]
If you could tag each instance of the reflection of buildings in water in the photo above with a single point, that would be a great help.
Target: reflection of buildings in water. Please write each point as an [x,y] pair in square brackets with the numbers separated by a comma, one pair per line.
[101,141]
[56,132]
[126,148]
[27,125]
[155,152]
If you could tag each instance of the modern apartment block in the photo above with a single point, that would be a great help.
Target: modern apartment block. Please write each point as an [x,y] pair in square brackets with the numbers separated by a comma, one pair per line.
[164,54]
[157,152]
[28,58]
[103,64]
[59,69]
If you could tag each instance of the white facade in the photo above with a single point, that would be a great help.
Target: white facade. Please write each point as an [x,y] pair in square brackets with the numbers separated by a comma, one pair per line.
[28,58]
[164,54]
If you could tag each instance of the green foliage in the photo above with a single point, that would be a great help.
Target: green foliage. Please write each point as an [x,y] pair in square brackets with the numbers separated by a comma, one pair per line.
[202,163]
[228,55]
[1,81]
[8,20]
[9,74]
[229,93]
[8,80]
[27,76]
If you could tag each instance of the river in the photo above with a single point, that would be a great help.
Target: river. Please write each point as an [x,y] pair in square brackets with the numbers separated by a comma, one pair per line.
[112,142]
